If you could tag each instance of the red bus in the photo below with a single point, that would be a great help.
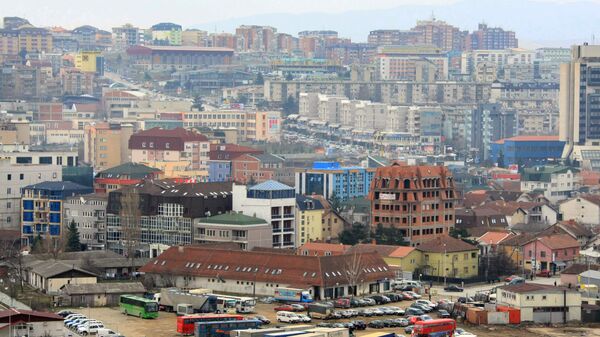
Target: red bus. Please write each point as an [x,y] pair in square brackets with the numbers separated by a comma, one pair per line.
[435,328]
[185,324]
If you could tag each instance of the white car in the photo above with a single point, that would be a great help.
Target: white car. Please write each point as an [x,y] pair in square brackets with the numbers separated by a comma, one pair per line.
[89,328]
[304,318]
[83,323]
[462,333]
[287,317]
[427,303]
[104,332]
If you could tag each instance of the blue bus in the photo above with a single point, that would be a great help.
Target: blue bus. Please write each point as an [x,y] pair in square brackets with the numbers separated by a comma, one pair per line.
[222,328]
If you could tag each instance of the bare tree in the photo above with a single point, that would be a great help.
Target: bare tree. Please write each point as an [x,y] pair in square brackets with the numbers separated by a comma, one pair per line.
[10,251]
[354,270]
[130,224]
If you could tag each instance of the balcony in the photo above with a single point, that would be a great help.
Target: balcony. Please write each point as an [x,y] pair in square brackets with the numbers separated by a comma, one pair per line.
[288,229]
[276,229]
[239,238]
[287,243]
[275,216]
[288,215]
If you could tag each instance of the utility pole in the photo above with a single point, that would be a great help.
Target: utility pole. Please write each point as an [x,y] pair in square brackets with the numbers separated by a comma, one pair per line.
[444,264]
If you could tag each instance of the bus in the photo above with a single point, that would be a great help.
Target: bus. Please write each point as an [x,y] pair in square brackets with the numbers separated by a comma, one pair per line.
[185,324]
[434,328]
[138,306]
[243,305]
[226,305]
[223,328]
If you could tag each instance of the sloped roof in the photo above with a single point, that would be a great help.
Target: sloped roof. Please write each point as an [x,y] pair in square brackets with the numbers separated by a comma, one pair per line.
[303,202]
[12,312]
[103,288]
[383,250]
[578,268]
[58,186]
[270,185]
[591,274]
[445,244]
[575,228]
[559,241]
[534,288]
[233,218]
[50,269]
[402,251]
[494,238]
[133,170]
[518,240]
[266,266]
[323,247]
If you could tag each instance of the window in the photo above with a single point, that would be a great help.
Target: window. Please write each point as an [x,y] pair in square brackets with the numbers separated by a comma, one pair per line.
[542,254]
[9,177]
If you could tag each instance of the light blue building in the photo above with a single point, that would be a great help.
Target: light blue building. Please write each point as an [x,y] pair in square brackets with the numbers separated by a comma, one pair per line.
[219,170]
[329,178]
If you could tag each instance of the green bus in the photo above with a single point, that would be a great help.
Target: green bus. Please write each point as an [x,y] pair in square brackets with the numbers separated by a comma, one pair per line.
[138,306]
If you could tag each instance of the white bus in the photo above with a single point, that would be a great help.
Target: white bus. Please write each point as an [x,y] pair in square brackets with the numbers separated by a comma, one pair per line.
[242,305]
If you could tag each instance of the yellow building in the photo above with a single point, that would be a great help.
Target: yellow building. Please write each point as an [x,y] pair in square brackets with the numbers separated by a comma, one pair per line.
[446,256]
[179,170]
[309,217]
[33,39]
[404,259]
[107,145]
[86,61]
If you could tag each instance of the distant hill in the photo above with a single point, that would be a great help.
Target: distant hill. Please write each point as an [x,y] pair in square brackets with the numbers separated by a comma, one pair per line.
[536,23]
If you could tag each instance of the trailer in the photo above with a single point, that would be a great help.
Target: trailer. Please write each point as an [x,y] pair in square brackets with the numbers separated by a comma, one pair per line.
[253,332]
[331,332]
[319,311]
[170,298]
[292,295]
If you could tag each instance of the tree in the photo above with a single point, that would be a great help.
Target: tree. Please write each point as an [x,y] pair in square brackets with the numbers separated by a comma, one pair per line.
[388,236]
[500,159]
[335,202]
[10,252]
[459,233]
[355,234]
[198,103]
[73,242]
[260,80]
[290,106]
[130,223]
[354,272]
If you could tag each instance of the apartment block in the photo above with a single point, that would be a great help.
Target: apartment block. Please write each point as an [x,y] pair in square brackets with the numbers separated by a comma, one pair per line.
[106,145]
[417,200]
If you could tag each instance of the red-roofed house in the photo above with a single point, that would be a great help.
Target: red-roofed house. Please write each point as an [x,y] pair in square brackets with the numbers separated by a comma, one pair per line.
[261,272]
[15,322]
[551,252]
[488,242]
[174,145]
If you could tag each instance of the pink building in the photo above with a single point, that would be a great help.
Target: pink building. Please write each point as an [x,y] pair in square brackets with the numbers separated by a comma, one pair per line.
[551,252]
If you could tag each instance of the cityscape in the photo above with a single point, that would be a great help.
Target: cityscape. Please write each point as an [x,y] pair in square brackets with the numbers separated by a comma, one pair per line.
[431,179]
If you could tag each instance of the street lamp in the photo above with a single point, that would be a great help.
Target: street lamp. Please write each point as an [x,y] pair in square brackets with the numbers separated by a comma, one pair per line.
[444,264]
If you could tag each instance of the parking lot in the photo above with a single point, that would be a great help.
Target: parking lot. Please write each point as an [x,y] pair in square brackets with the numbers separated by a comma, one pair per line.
[165,324]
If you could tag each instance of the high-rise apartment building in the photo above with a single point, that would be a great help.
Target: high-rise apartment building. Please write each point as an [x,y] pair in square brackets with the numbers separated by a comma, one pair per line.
[490,38]
[417,200]
[579,101]
[256,38]
[194,37]
[440,34]
[389,37]
[166,34]
[106,145]
[332,179]
[126,36]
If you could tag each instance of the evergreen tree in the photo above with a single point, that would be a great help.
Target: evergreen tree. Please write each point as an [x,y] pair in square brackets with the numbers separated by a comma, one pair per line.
[501,159]
[198,103]
[73,243]
[335,202]
[290,106]
[36,245]
[260,80]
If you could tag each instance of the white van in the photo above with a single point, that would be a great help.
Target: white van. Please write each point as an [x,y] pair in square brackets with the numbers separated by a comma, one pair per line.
[412,283]
[287,317]
[104,332]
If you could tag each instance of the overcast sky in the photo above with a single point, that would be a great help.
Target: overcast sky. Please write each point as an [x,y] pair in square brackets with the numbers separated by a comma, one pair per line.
[219,15]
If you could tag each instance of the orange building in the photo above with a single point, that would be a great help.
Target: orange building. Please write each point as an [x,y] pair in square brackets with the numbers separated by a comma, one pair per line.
[418,200]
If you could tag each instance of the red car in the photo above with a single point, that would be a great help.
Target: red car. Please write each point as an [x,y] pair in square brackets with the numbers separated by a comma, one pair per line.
[510,278]
[414,319]
[543,273]
[407,297]
[284,307]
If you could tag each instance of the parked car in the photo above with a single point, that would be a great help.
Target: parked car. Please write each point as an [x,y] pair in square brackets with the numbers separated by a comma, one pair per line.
[89,329]
[404,287]
[366,313]
[304,318]
[377,312]
[380,299]
[427,303]
[359,325]
[355,303]
[510,278]
[267,300]
[369,301]
[262,319]
[297,307]
[397,311]
[414,311]
[463,299]
[387,311]
[454,288]
[353,313]
[423,307]
[346,313]
[426,317]
[403,321]
[376,324]
[287,317]
[409,329]
[414,319]
[443,313]
[349,326]
[107,333]
[407,296]
[64,313]
[414,295]
[325,325]
[335,315]
[516,280]
[284,307]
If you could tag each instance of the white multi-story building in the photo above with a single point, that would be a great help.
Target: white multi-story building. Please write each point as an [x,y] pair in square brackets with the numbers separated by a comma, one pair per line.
[275,203]
[470,60]
[556,182]
[13,177]
[89,214]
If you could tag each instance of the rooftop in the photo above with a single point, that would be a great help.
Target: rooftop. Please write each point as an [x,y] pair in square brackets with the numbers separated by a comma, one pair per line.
[103,288]
[304,203]
[558,241]
[233,218]
[132,170]
[493,238]
[270,185]
[59,186]
[445,244]
[534,288]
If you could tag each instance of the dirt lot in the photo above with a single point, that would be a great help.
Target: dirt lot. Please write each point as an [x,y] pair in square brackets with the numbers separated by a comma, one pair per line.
[164,325]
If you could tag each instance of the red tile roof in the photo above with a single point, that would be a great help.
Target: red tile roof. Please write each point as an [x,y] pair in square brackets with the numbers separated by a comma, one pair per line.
[320,248]
[445,244]
[230,151]
[266,266]
[176,138]
[402,251]
[494,238]
[15,315]
[559,241]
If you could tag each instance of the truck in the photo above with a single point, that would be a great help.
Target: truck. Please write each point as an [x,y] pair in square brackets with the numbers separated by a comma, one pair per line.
[331,332]
[319,311]
[170,298]
[253,332]
[292,295]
